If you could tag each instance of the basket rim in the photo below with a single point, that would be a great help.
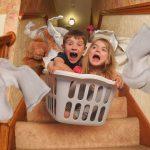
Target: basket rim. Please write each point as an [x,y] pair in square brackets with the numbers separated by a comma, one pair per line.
[83,76]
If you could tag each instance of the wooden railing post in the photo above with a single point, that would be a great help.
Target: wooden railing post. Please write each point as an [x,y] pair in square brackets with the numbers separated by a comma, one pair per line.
[5,42]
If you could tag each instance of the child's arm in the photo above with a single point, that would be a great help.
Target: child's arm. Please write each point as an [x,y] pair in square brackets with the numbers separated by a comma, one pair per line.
[59,65]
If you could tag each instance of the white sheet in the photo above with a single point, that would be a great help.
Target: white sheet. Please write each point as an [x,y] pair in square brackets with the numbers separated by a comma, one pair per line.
[32,87]
[136,73]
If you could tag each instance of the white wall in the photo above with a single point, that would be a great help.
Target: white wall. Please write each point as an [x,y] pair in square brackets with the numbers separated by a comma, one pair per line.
[2,23]
[125,25]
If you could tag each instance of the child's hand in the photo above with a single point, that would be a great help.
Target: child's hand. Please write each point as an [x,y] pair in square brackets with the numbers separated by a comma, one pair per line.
[77,69]
[51,68]
[119,82]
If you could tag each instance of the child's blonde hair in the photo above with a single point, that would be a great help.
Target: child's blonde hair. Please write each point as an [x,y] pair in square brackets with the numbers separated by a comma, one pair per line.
[109,67]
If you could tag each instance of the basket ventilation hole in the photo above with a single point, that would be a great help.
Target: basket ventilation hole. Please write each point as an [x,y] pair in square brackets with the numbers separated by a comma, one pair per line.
[72,89]
[99,94]
[67,110]
[94,112]
[101,114]
[81,91]
[90,92]
[107,95]
[85,112]
[77,111]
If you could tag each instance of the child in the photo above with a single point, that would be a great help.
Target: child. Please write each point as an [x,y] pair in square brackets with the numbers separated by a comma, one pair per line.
[100,60]
[74,44]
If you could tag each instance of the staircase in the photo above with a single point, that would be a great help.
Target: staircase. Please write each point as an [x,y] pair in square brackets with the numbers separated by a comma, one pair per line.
[44,133]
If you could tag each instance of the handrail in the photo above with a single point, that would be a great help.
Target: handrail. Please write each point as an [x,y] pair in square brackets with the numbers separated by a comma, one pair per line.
[7,130]
[133,110]
[137,9]
[8,39]
[5,42]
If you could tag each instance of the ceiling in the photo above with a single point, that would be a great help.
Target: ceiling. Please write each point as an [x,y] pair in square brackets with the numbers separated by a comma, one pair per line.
[80,10]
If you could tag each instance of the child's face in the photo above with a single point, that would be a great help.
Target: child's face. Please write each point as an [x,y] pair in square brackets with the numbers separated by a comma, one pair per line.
[74,48]
[98,54]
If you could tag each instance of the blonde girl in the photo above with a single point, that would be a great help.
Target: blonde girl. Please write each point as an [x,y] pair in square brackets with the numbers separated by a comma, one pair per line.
[100,60]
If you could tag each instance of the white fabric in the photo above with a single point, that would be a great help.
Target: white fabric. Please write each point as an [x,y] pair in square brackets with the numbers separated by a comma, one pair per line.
[34,33]
[51,54]
[61,30]
[120,53]
[123,42]
[106,34]
[56,32]
[5,109]
[32,87]
[136,73]
[56,18]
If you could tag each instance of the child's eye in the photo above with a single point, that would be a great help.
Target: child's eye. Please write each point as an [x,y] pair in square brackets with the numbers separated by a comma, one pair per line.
[94,46]
[104,49]
[69,43]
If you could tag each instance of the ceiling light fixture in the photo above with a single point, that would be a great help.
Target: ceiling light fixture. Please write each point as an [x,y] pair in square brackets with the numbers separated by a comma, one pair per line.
[71,21]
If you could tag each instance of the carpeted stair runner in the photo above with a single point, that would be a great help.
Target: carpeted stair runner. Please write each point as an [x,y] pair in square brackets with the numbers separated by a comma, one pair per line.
[115,132]
[139,147]
[41,132]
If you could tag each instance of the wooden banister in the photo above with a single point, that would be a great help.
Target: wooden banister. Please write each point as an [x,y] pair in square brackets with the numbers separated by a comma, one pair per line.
[134,110]
[7,130]
[5,42]
[137,9]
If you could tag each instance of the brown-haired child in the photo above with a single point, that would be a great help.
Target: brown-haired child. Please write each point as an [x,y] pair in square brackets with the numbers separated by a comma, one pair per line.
[74,44]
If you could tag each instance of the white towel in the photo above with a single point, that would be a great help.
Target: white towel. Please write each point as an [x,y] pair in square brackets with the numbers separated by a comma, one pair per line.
[5,109]
[55,34]
[136,73]
[49,58]
[32,87]
[106,34]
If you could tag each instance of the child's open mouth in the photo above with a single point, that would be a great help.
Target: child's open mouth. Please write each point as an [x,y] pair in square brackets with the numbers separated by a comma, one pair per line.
[73,55]
[96,58]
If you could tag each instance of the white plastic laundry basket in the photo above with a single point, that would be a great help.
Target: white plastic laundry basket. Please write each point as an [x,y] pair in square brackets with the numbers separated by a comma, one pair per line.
[82,99]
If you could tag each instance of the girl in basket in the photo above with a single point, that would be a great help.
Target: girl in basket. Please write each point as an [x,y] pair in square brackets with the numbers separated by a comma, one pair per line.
[100,60]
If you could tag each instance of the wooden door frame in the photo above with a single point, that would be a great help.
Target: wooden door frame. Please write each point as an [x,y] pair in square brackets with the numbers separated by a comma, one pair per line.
[138,9]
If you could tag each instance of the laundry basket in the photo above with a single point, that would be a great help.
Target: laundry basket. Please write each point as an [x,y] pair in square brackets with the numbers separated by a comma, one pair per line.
[82,99]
